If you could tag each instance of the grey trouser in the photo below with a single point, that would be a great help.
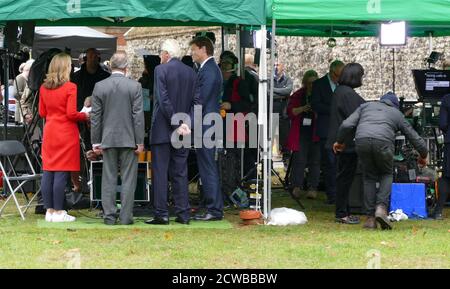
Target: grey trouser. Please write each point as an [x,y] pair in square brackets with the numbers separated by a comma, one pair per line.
[309,154]
[377,160]
[128,161]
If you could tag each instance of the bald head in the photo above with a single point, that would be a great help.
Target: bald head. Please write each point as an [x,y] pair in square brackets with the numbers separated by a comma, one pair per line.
[249,60]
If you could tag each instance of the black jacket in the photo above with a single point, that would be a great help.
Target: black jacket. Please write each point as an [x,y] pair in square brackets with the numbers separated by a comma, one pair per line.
[321,104]
[243,90]
[85,82]
[345,102]
[444,120]
[380,120]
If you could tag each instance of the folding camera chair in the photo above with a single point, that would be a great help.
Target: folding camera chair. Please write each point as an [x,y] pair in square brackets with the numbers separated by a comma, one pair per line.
[9,149]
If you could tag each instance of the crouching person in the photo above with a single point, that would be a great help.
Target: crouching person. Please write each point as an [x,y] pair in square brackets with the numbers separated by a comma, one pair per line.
[376,124]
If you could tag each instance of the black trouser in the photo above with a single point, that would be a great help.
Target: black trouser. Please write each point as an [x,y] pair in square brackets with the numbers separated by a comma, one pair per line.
[444,187]
[347,164]
[308,155]
[328,162]
[52,188]
[377,160]
[444,183]
[250,158]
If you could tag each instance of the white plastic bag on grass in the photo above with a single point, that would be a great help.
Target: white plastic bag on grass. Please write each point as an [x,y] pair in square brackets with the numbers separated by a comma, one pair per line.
[397,216]
[285,216]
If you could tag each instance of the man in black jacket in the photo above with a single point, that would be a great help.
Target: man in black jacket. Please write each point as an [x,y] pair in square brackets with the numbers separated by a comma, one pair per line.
[89,74]
[85,78]
[444,125]
[376,124]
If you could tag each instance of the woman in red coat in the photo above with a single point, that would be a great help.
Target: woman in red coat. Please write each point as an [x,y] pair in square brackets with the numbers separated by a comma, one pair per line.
[302,139]
[60,144]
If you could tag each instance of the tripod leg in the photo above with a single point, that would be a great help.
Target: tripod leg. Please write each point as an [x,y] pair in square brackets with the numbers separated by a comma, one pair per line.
[287,181]
[279,177]
[296,199]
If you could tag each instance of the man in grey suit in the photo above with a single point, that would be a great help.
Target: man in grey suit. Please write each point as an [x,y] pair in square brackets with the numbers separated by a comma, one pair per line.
[117,132]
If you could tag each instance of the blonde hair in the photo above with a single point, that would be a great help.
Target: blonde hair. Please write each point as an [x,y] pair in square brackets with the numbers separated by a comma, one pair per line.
[58,71]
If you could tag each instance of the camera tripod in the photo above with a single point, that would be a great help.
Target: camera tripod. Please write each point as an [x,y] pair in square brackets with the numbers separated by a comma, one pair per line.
[285,183]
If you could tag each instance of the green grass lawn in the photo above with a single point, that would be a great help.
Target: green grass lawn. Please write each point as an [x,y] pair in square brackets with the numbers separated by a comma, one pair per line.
[319,244]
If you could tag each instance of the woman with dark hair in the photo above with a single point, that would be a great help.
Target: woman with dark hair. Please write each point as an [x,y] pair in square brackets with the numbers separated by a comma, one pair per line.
[146,80]
[345,102]
[187,59]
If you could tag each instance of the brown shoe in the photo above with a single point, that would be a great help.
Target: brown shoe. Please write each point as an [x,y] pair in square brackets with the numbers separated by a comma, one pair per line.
[370,223]
[296,192]
[381,217]
[311,195]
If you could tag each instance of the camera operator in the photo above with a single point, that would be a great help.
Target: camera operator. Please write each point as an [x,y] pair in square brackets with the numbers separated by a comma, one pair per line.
[90,72]
[376,124]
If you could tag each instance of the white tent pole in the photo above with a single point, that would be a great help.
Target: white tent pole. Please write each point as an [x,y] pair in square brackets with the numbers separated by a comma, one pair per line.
[430,39]
[272,63]
[262,115]
[238,47]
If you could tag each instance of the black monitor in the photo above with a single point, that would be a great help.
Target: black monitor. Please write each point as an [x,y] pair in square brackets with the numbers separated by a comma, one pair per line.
[432,84]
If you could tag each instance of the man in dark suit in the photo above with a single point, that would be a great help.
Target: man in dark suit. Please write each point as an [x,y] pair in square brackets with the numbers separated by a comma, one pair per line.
[209,86]
[174,93]
[322,92]
[444,182]
[117,131]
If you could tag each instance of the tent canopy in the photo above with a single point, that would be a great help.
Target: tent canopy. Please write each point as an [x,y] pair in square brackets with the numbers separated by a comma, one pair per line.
[358,18]
[77,38]
[134,12]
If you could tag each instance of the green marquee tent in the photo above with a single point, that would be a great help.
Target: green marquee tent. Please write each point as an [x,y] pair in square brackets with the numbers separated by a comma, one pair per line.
[356,18]
[348,18]
[134,12]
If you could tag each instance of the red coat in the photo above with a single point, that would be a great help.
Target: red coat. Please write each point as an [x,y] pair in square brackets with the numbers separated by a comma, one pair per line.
[293,140]
[61,143]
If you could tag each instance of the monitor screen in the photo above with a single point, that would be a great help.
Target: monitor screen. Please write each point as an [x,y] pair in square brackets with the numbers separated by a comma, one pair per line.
[432,84]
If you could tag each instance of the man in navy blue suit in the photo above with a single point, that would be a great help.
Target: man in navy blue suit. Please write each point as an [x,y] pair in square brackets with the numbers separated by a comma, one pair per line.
[321,99]
[209,87]
[174,93]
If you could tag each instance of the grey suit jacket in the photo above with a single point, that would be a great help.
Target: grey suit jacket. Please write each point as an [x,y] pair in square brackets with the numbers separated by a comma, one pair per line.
[117,117]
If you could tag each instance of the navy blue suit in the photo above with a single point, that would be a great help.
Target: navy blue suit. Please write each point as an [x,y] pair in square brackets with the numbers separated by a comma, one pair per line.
[174,92]
[209,89]
[321,99]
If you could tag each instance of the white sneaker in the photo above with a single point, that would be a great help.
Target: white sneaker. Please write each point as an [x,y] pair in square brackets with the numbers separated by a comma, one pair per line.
[63,217]
[49,217]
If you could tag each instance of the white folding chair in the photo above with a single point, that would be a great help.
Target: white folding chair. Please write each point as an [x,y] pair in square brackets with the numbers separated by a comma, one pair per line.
[12,181]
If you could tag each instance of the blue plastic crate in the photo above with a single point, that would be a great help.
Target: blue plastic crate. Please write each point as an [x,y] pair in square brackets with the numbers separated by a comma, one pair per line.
[410,198]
